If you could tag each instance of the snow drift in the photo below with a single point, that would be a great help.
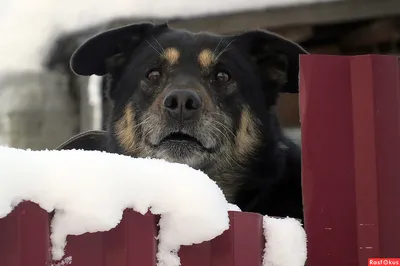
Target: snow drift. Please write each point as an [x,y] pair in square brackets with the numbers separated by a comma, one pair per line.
[90,190]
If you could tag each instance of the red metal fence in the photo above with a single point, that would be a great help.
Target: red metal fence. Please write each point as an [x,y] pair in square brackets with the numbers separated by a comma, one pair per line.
[350,114]
[25,241]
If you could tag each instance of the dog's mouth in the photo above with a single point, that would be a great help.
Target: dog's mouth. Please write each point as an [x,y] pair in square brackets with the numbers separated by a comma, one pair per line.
[181,143]
[181,147]
[181,138]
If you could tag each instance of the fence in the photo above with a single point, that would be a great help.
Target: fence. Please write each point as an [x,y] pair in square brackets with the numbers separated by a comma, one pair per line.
[350,114]
[24,240]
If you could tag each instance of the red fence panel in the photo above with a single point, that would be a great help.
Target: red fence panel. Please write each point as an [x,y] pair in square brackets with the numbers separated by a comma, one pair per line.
[25,240]
[241,245]
[24,237]
[350,116]
[132,242]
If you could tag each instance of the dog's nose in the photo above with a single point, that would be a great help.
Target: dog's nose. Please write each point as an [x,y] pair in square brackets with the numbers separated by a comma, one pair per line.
[181,103]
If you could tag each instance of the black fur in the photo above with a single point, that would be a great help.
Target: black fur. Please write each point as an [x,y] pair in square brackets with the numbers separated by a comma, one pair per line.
[242,146]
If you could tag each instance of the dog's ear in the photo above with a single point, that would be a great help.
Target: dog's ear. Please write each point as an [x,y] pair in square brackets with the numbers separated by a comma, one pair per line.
[95,56]
[277,58]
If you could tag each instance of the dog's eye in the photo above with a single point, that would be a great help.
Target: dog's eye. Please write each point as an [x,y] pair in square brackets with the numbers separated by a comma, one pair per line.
[222,76]
[153,74]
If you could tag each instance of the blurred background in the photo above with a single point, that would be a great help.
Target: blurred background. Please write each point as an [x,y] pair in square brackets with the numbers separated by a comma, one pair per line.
[42,103]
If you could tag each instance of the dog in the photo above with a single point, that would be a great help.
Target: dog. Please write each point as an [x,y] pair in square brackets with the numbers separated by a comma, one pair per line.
[201,99]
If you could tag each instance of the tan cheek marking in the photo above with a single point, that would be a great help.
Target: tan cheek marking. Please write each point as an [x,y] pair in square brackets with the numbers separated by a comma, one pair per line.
[206,58]
[124,129]
[171,55]
[248,136]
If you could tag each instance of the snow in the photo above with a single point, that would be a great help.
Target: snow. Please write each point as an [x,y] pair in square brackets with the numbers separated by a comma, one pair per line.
[64,262]
[89,190]
[286,242]
[29,27]
[294,134]
[233,207]
[62,180]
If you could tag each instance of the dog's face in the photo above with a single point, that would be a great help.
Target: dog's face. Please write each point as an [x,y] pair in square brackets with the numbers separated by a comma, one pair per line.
[193,98]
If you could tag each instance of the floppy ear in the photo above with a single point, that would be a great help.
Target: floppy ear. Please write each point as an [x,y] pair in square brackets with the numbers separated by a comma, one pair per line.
[277,58]
[93,56]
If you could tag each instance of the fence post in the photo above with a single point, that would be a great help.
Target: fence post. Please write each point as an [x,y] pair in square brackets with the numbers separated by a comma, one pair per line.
[350,116]
[24,237]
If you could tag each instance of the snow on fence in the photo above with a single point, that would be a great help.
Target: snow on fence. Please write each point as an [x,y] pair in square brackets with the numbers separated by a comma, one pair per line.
[179,215]
[350,116]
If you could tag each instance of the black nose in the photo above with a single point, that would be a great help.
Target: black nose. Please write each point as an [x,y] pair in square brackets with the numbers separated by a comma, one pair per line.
[181,103]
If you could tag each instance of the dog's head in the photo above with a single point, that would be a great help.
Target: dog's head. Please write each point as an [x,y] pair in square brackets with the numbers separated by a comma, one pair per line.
[193,98]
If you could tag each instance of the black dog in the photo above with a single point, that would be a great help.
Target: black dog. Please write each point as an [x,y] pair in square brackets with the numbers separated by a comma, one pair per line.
[204,100]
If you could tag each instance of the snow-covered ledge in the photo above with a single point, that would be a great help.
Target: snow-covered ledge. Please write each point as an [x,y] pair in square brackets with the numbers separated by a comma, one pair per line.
[89,190]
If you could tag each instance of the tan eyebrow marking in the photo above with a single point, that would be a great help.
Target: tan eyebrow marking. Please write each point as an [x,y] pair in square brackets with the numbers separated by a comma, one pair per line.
[172,55]
[206,58]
